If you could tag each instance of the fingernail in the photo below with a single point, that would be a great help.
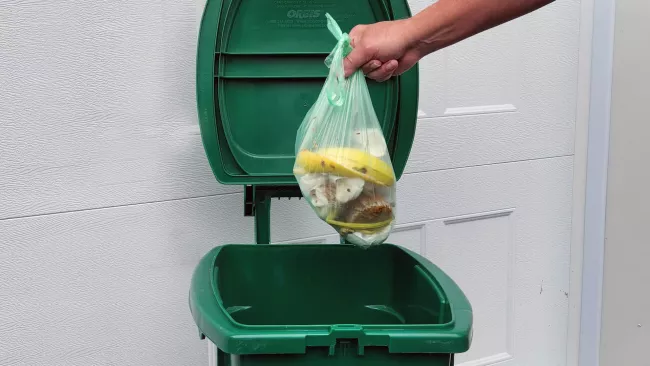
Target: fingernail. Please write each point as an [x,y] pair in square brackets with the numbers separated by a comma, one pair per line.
[376,64]
[392,66]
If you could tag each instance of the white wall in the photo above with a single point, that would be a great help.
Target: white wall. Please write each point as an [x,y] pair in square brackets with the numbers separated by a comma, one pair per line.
[107,201]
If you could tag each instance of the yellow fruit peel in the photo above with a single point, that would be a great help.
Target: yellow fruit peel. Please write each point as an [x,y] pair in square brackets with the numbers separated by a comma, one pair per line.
[361,227]
[346,162]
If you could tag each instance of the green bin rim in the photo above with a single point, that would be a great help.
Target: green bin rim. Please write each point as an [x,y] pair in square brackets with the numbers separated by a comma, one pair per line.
[230,336]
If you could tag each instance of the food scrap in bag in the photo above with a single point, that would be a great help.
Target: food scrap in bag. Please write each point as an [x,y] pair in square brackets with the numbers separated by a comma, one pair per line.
[342,163]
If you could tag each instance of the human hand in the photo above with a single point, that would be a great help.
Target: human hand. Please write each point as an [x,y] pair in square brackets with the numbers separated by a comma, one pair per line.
[382,50]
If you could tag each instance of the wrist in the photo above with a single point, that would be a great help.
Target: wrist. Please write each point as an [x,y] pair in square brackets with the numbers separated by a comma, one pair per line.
[430,30]
[409,32]
[418,35]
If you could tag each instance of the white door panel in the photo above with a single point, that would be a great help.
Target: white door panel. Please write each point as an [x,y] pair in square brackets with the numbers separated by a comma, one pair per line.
[508,94]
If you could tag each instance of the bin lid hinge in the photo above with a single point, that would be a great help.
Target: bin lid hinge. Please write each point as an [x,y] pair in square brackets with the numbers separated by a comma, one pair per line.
[253,195]
[257,203]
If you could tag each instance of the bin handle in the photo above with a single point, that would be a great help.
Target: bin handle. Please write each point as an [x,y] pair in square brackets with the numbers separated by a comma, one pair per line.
[346,330]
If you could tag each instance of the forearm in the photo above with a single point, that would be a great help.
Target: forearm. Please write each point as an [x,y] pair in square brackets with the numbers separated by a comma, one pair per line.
[449,21]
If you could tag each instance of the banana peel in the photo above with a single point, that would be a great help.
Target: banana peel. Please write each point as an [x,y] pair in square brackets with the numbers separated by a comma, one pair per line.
[345,162]
[363,227]
[368,228]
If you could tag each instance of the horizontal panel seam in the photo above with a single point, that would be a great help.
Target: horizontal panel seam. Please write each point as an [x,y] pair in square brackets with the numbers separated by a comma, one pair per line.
[487,164]
[119,206]
[240,192]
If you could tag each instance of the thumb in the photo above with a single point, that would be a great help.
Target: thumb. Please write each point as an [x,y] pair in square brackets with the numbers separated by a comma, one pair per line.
[354,61]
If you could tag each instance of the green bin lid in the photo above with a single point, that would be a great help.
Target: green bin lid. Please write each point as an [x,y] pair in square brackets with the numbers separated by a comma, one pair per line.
[260,67]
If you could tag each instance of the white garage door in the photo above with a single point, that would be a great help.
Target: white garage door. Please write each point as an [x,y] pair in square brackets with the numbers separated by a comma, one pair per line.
[107,201]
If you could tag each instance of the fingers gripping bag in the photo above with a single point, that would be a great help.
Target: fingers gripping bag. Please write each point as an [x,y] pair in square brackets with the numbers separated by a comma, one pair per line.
[342,163]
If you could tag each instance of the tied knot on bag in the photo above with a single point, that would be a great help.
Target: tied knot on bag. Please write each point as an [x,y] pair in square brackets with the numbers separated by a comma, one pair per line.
[336,83]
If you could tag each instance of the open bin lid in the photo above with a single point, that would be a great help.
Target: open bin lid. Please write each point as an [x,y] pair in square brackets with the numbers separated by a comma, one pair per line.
[260,67]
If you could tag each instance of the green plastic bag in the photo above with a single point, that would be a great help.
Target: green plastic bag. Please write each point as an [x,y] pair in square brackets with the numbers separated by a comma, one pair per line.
[342,161]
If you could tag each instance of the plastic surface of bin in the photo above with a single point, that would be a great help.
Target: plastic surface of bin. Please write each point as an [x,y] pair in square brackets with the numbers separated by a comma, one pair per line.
[327,304]
[260,67]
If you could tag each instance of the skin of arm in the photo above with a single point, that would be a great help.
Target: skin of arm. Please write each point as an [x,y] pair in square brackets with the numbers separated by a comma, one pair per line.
[390,48]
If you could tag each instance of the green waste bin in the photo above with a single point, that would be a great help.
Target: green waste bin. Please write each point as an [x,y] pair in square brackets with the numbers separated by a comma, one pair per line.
[314,305]
[260,67]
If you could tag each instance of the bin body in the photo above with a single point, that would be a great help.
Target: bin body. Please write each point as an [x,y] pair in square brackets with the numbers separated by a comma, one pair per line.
[316,357]
[326,304]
